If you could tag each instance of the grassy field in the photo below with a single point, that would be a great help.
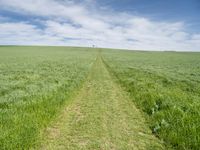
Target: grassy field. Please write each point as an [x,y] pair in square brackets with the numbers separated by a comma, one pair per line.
[35,82]
[80,98]
[166,86]
[102,117]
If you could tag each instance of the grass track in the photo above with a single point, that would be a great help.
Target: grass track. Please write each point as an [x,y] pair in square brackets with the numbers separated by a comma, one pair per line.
[100,117]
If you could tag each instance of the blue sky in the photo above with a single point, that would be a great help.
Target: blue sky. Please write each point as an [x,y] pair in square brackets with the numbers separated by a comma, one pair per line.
[167,10]
[127,24]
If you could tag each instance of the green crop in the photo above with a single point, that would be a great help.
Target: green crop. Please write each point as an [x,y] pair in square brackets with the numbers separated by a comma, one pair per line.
[166,86]
[35,82]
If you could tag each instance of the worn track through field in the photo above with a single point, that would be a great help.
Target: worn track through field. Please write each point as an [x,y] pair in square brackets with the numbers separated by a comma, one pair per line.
[100,117]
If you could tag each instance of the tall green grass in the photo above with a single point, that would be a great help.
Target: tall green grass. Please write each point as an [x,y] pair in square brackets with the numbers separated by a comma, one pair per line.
[166,86]
[35,82]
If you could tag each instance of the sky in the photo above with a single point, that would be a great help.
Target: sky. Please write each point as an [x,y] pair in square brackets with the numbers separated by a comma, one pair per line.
[123,24]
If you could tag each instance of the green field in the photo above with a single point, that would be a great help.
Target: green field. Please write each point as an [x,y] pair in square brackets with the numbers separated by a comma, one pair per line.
[82,98]
[35,82]
[166,86]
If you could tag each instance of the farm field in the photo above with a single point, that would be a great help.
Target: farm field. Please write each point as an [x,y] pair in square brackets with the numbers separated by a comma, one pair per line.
[101,117]
[35,82]
[166,86]
[82,98]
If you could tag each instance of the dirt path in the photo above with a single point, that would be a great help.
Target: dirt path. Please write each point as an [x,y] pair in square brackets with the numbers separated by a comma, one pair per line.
[100,117]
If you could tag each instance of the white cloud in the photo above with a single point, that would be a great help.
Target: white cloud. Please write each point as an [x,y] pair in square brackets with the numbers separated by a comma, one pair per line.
[69,23]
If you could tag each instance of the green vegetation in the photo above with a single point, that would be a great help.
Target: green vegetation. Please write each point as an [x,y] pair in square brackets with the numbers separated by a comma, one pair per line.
[35,82]
[101,117]
[64,97]
[166,86]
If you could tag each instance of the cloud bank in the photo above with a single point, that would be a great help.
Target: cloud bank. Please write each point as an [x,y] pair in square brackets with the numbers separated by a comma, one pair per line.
[73,23]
